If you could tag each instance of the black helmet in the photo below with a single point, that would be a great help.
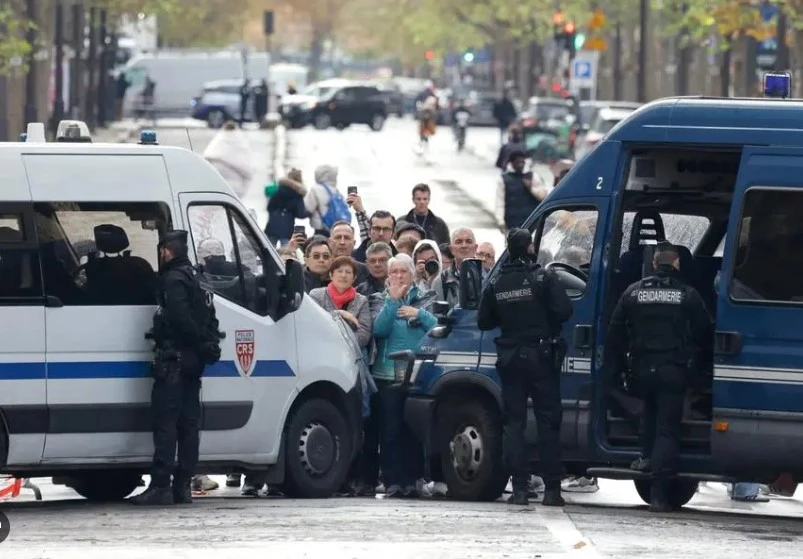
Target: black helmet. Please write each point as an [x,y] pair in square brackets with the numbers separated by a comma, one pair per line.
[518,242]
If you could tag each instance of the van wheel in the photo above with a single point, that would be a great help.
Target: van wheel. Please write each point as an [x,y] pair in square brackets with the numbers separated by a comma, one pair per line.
[318,450]
[680,491]
[377,122]
[106,486]
[470,447]
[215,119]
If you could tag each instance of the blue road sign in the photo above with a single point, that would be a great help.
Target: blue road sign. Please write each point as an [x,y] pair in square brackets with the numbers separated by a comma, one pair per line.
[768,11]
[583,69]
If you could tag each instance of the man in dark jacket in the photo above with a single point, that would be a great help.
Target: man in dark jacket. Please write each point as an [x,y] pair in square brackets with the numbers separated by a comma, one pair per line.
[522,196]
[179,334]
[434,227]
[381,227]
[505,114]
[515,142]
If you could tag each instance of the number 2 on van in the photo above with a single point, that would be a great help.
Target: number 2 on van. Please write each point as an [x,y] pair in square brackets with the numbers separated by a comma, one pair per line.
[244,346]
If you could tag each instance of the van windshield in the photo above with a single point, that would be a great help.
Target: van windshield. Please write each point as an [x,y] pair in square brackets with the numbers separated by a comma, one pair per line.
[685,230]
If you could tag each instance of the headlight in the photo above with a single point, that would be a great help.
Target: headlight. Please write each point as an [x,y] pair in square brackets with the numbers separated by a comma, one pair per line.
[309,105]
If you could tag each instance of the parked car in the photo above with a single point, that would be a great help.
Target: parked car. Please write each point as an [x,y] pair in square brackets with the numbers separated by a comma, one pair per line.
[219,101]
[296,109]
[350,104]
[588,113]
[605,120]
[394,99]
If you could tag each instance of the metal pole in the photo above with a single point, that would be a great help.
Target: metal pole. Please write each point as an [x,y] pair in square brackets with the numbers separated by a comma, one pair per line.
[58,101]
[4,132]
[617,63]
[642,53]
[91,69]
[782,58]
[102,71]
[31,109]
[75,70]
[269,52]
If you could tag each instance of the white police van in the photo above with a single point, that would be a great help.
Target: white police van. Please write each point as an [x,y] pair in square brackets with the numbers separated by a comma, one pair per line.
[79,226]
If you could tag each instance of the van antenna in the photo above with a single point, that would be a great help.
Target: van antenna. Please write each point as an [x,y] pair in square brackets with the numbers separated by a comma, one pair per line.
[187,130]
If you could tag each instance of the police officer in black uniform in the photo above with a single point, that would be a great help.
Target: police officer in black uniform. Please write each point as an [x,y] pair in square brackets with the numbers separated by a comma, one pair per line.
[529,305]
[180,333]
[662,329]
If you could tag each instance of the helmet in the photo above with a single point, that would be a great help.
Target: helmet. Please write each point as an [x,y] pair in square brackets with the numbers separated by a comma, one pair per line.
[210,247]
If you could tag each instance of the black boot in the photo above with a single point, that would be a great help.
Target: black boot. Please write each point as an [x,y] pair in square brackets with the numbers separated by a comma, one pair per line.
[658,501]
[519,497]
[641,465]
[154,496]
[182,494]
[553,498]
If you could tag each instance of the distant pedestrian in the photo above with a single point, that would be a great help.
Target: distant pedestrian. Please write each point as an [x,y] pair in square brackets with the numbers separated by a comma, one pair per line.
[261,96]
[245,95]
[505,114]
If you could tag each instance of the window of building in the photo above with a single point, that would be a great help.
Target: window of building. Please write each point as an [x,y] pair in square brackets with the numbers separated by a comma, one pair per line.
[101,253]
[20,279]
[768,263]
[230,254]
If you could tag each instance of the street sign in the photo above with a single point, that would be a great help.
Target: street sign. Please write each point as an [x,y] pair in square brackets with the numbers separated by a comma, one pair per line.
[597,20]
[583,70]
[596,44]
[766,54]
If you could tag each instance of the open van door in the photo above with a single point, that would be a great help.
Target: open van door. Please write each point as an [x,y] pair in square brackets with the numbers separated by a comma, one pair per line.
[758,345]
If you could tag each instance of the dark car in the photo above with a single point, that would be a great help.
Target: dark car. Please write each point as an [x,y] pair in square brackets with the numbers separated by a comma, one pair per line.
[351,104]
[393,99]
[220,101]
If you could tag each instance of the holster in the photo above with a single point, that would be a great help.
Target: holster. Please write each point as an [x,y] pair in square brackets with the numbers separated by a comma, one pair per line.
[559,350]
[166,366]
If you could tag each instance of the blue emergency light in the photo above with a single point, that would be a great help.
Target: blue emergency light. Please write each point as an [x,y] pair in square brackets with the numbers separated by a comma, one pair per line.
[778,84]
[148,137]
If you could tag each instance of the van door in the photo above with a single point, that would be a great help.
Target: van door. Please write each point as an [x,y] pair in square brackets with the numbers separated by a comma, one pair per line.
[23,392]
[758,345]
[245,394]
[98,246]
[569,235]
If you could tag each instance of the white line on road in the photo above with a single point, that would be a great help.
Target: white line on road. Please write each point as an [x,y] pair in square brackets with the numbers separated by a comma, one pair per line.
[562,528]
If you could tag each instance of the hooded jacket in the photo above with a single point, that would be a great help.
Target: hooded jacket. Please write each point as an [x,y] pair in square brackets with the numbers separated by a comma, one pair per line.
[230,154]
[435,283]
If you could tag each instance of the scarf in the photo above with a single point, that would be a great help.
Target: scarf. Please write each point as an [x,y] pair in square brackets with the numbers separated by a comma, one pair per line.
[341,299]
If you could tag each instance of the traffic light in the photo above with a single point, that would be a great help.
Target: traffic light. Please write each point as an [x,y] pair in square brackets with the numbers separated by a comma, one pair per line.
[429,55]
[579,41]
[468,56]
[569,34]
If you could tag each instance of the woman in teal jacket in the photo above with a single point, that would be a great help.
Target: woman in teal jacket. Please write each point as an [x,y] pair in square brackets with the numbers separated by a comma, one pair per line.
[400,325]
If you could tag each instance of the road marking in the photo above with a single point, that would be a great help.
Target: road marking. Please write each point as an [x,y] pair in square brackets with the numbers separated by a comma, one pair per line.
[562,528]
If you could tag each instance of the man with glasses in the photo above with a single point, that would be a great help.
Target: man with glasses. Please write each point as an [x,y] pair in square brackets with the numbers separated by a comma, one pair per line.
[380,230]
[378,255]
[486,253]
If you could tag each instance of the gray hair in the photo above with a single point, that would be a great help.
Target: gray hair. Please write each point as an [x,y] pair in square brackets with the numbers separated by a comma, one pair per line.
[402,258]
[456,232]
[326,174]
[373,248]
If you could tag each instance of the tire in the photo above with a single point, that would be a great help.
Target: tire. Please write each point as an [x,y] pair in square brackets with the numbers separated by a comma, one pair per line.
[322,121]
[215,119]
[317,422]
[106,486]
[474,430]
[681,491]
[377,122]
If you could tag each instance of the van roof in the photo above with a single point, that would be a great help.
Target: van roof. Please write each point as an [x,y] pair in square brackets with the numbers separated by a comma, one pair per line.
[714,120]
[187,171]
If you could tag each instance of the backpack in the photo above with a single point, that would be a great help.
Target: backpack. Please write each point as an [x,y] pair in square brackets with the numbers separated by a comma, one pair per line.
[209,351]
[338,209]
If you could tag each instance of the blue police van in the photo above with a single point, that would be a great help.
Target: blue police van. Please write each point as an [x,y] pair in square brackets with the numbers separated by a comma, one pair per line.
[721,178]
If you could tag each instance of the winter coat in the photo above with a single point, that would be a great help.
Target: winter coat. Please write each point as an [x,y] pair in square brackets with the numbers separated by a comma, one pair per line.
[358,307]
[284,207]
[434,227]
[398,334]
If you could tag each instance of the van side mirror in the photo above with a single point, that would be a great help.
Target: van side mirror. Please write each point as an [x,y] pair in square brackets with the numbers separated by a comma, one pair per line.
[292,287]
[470,283]
[440,310]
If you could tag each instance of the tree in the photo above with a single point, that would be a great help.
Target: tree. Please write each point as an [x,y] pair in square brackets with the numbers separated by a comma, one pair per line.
[14,48]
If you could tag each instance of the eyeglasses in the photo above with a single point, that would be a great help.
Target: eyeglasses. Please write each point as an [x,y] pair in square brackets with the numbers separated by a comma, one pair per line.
[484,255]
[321,256]
[382,229]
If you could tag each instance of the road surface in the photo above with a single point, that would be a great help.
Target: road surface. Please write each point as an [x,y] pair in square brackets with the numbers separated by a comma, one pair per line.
[610,524]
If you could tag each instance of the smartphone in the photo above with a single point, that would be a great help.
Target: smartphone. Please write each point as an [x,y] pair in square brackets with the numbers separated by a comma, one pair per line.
[300,230]
[351,190]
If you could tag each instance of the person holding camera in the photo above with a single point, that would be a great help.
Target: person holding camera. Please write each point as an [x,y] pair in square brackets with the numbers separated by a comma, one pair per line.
[428,268]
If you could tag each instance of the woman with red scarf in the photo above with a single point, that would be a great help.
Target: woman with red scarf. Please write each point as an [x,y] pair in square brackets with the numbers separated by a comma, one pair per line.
[341,297]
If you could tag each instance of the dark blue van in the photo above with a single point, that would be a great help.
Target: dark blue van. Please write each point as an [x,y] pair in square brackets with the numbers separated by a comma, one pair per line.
[723,179]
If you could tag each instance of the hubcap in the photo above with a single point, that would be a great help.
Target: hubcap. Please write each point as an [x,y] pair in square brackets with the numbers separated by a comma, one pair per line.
[467,452]
[316,449]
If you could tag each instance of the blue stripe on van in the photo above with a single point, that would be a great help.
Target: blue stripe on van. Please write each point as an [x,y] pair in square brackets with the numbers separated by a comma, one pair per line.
[128,369]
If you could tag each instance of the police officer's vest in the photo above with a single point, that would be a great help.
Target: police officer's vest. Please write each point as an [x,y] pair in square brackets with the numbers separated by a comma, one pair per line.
[519,291]
[658,322]
[203,311]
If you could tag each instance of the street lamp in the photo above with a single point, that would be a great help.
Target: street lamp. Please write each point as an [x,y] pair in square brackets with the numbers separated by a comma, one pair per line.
[31,110]
[58,101]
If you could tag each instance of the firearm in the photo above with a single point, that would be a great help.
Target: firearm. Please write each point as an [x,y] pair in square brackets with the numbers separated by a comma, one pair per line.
[559,349]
